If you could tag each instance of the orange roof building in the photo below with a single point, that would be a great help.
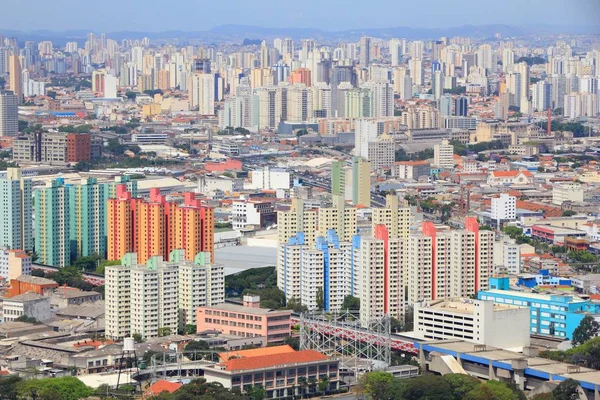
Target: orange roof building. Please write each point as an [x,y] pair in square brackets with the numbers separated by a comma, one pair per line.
[162,386]
[279,371]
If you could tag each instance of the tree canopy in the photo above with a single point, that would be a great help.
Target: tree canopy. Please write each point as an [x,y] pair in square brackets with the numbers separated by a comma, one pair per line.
[65,388]
[587,329]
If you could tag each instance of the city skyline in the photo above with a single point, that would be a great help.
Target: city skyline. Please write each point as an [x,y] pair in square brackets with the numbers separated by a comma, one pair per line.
[73,15]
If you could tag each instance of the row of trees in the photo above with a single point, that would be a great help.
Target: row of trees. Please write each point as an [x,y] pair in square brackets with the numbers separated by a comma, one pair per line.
[462,149]
[383,386]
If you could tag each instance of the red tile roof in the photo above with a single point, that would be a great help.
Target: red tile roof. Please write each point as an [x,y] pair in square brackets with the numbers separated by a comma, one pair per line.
[261,351]
[250,363]
[163,386]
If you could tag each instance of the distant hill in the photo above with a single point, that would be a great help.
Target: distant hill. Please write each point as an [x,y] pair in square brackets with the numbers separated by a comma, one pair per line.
[238,33]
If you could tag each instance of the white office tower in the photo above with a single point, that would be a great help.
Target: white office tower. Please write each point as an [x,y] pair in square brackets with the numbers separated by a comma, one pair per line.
[508,59]
[263,108]
[416,49]
[417,75]
[351,52]
[405,87]
[395,52]
[542,96]
[299,103]
[437,84]
[523,69]
[445,107]
[141,299]
[202,93]
[365,45]
[321,100]
[381,152]
[308,46]
[485,58]
[382,98]
[366,130]
[580,105]
[128,76]
[32,87]
[9,113]
[110,86]
[513,87]
[504,209]
[443,155]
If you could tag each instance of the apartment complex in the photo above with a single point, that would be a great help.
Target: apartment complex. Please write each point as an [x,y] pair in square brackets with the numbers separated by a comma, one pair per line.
[71,220]
[155,226]
[56,147]
[143,297]
[16,211]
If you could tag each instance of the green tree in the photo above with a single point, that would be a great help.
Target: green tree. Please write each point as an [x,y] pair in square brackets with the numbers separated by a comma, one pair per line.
[582,256]
[587,329]
[320,298]
[164,331]
[38,273]
[376,384]
[130,95]
[323,384]
[461,384]
[492,390]
[513,231]
[351,303]
[66,388]
[196,345]
[8,386]
[138,337]
[427,387]
[51,94]
[568,213]
[257,393]
[567,390]
[190,329]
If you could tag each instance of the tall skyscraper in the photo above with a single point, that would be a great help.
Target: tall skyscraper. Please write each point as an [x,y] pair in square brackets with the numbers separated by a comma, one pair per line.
[542,96]
[9,113]
[52,221]
[361,182]
[339,74]
[143,297]
[155,227]
[16,76]
[461,106]
[202,93]
[365,51]
[16,211]
[395,52]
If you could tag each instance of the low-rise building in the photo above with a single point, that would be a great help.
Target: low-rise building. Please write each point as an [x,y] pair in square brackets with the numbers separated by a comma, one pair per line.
[25,284]
[67,296]
[14,263]
[281,375]
[480,322]
[31,305]
[252,213]
[411,169]
[555,315]
[248,320]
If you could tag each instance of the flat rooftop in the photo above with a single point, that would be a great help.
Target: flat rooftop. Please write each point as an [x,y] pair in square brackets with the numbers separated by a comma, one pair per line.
[532,296]
[465,307]
[245,310]
[537,364]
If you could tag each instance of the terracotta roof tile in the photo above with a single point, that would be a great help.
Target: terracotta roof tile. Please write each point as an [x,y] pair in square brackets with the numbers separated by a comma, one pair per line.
[249,363]
[164,386]
[261,351]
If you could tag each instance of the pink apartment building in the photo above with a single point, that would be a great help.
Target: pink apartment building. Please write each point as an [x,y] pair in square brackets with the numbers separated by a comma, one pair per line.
[248,320]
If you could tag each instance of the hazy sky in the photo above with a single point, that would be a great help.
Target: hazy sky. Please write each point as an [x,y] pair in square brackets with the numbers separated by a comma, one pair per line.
[191,15]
